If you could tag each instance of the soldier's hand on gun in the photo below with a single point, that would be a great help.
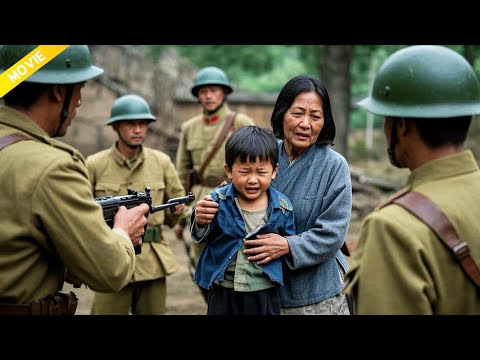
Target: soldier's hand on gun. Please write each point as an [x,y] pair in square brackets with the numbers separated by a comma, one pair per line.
[178,209]
[205,210]
[133,221]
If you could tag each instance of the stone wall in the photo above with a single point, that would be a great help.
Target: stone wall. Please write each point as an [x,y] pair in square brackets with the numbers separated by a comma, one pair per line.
[165,85]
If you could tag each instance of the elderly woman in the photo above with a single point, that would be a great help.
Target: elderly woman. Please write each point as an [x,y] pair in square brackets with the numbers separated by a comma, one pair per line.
[317,181]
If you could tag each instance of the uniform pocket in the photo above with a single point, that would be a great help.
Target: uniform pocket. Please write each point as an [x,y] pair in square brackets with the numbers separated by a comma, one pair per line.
[195,145]
[157,190]
[106,189]
[155,185]
[197,149]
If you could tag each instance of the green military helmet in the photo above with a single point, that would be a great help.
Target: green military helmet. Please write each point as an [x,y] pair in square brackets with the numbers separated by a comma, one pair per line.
[424,81]
[130,107]
[211,75]
[73,65]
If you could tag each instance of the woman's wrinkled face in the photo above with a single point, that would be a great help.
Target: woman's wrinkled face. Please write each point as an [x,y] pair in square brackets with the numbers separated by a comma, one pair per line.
[303,121]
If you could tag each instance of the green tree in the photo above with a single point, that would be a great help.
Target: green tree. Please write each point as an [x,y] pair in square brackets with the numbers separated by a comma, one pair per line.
[343,68]
[262,68]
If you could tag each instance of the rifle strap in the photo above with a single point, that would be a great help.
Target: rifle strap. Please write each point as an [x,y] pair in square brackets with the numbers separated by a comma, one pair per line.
[428,212]
[227,126]
[12,139]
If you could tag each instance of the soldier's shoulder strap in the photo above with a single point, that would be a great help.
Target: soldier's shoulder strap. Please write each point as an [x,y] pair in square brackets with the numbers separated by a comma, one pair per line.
[12,139]
[227,127]
[428,212]
[392,198]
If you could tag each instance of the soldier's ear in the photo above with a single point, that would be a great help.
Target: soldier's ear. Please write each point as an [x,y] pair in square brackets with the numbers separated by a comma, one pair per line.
[404,126]
[55,93]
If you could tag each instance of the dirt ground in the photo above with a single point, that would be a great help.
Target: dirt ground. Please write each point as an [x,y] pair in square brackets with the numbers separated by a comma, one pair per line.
[183,296]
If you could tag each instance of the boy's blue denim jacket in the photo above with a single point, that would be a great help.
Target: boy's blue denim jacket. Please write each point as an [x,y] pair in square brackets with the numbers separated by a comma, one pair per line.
[224,236]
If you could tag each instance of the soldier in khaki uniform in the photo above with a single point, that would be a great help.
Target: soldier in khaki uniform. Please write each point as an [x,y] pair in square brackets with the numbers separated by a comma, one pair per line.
[49,219]
[198,136]
[427,95]
[129,165]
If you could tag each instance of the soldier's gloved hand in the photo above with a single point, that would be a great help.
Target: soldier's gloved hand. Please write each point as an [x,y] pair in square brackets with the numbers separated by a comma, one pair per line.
[179,209]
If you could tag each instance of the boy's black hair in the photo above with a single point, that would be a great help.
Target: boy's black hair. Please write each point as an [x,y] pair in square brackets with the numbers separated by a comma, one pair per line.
[250,143]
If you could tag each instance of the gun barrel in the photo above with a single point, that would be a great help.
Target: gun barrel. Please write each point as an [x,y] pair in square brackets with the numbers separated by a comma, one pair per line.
[173,202]
[154,209]
[183,199]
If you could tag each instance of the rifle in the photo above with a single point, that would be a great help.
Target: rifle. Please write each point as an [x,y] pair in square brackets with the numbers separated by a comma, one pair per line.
[111,204]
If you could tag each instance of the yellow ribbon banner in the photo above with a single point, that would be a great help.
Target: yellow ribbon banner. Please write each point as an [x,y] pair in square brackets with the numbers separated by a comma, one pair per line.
[28,65]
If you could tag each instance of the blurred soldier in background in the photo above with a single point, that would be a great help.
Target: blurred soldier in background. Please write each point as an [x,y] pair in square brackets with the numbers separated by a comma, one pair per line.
[130,165]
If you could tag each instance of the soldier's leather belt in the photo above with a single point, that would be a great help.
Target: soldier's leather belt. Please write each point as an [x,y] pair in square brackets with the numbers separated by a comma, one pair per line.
[61,303]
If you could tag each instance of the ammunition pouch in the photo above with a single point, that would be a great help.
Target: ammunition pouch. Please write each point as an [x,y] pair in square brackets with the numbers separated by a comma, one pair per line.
[153,234]
[62,303]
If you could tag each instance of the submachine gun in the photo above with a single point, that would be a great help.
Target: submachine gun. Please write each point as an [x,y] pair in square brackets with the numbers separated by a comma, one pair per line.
[111,204]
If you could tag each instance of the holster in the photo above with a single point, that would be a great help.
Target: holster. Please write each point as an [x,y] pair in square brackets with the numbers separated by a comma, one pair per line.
[61,303]
[193,178]
[153,234]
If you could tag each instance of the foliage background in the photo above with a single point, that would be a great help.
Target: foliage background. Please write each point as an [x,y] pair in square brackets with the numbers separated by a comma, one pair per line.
[266,68]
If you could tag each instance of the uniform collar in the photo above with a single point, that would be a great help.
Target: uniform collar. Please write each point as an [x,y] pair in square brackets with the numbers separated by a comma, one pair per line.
[13,118]
[120,158]
[217,116]
[448,166]
[18,120]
